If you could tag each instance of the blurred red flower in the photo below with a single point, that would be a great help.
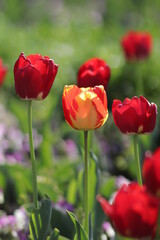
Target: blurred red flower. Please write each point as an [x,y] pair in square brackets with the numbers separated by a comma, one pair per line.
[133,212]
[134,116]
[94,72]
[85,108]
[3,71]
[34,76]
[137,45]
[151,172]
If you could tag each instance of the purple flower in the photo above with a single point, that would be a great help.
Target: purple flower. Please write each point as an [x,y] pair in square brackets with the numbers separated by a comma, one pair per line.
[22,220]
[120,180]
[63,204]
[22,235]
[71,148]
[108,230]
[37,140]
[7,224]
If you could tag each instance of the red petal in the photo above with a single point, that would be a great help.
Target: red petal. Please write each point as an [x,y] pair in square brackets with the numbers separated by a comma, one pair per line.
[28,82]
[94,72]
[115,104]
[21,62]
[33,58]
[126,119]
[101,93]
[68,102]
[149,119]
[52,70]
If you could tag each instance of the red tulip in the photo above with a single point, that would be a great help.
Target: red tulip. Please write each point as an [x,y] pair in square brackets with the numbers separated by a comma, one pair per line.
[151,172]
[34,76]
[94,72]
[3,71]
[134,116]
[85,108]
[133,212]
[137,45]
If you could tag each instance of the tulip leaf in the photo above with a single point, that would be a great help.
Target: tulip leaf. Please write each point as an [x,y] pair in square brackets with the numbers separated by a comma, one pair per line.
[40,220]
[72,191]
[94,173]
[109,187]
[80,232]
[32,228]
[90,227]
[61,220]
[54,234]
[81,184]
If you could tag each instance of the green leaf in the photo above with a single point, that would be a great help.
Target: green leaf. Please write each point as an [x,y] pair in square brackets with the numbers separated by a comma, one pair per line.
[61,220]
[81,184]
[94,173]
[54,234]
[108,188]
[40,220]
[45,214]
[71,193]
[32,228]
[80,232]
[90,227]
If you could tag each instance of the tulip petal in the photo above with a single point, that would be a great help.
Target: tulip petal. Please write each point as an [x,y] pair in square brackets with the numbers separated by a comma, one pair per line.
[83,109]
[69,94]
[115,104]
[150,172]
[136,45]
[3,71]
[28,82]
[94,72]
[126,119]
[86,117]
[149,120]
[52,70]
[33,58]
[34,76]
[133,211]
[22,62]
[134,115]
[100,92]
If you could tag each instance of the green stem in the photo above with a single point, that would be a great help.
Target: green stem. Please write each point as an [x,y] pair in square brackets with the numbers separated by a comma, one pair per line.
[32,153]
[86,171]
[158,224]
[136,155]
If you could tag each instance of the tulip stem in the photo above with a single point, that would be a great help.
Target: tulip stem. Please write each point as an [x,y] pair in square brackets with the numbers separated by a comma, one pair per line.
[86,172]
[32,154]
[158,224]
[136,155]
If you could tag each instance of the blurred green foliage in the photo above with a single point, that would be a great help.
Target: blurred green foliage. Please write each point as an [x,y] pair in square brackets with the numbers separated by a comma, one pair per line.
[70,32]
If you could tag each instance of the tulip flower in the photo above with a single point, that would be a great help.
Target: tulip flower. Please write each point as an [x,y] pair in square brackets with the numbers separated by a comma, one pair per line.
[94,72]
[151,172]
[34,76]
[133,212]
[136,45]
[134,116]
[85,108]
[3,71]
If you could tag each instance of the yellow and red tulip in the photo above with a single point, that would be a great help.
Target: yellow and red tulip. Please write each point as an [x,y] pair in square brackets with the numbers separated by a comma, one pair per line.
[85,108]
